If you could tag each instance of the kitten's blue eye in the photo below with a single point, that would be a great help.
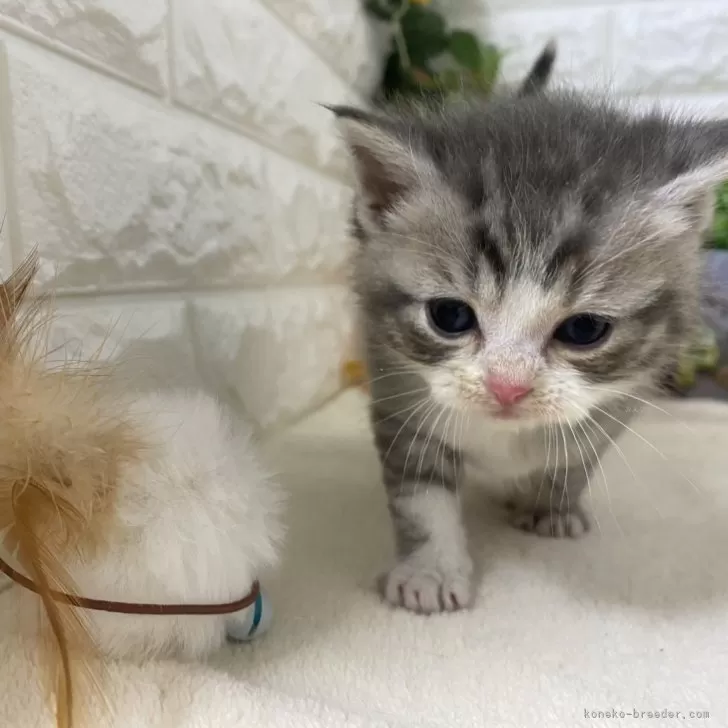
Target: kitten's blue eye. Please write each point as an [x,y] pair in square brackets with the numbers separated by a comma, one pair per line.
[450,316]
[584,329]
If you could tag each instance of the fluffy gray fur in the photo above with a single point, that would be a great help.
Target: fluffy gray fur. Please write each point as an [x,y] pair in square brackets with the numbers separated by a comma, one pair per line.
[531,209]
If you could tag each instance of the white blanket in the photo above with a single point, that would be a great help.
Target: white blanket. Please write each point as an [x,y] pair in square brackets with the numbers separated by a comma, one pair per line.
[564,634]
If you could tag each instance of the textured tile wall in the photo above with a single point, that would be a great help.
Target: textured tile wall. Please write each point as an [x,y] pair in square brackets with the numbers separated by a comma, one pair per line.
[186,191]
[654,50]
[171,162]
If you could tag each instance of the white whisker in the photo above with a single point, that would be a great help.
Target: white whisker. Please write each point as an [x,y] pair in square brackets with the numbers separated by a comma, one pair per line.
[565,492]
[553,474]
[426,416]
[548,431]
[416,409]
[426,447]
[415,406]
[601,468]
[442,448]
[390,374]
[592,422]
[399,395]
[646,402]
[648,443]
[587,470]
[464,425]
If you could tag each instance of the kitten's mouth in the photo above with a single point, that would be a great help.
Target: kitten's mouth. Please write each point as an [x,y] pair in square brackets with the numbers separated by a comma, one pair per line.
[507,413]
[521,416]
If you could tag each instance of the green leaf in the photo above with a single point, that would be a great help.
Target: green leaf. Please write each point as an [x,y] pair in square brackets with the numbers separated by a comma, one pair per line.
[425,33]
[466,49]
[685,374]
[451,80]
[705,352]
[719,233]
[490,65]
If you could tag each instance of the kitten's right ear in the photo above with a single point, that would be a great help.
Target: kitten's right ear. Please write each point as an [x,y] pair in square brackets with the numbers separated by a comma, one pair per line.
[686,203]
[386,168]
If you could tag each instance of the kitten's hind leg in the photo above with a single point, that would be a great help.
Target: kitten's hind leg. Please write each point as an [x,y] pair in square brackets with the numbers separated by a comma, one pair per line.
[554,507]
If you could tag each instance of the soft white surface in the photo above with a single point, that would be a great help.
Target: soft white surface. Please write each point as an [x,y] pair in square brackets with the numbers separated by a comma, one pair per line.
[631,617]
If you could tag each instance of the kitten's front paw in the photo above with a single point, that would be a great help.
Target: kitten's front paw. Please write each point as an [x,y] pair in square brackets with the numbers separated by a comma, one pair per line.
[427,590]
[556,525]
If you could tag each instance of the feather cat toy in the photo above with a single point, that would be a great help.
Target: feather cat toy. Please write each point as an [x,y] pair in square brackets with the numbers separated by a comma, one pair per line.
[139,524]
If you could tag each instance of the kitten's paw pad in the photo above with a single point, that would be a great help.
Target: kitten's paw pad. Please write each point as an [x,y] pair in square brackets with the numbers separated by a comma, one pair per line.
[426,590]
[554,525]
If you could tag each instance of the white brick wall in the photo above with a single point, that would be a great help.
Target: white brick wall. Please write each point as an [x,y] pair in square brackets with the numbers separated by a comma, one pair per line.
[170,160]
[675,53]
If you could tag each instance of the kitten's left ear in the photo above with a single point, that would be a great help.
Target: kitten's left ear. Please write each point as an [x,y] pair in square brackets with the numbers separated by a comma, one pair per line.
[686,203]
[387,169]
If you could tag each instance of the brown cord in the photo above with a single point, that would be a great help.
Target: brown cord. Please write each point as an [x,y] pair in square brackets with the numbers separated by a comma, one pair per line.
[102,605]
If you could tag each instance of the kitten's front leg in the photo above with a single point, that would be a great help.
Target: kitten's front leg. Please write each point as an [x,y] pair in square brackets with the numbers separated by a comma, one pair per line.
[433,570]
[553,507]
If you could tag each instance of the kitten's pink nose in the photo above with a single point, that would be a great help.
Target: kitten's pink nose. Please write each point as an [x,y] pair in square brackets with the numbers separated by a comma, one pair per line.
[507,393]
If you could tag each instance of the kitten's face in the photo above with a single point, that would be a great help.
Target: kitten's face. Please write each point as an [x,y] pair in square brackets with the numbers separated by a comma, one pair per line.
[532,274]
[525,324]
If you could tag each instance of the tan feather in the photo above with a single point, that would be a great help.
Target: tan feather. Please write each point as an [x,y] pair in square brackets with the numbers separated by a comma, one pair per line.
[63,444]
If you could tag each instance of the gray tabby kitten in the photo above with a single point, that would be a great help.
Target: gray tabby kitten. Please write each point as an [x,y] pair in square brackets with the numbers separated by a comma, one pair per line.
[527,269]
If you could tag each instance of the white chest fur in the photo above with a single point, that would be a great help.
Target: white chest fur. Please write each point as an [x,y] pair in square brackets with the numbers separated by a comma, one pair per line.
[500,455]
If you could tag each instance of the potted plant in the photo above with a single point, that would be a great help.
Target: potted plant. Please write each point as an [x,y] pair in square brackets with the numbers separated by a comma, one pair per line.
[427,57]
